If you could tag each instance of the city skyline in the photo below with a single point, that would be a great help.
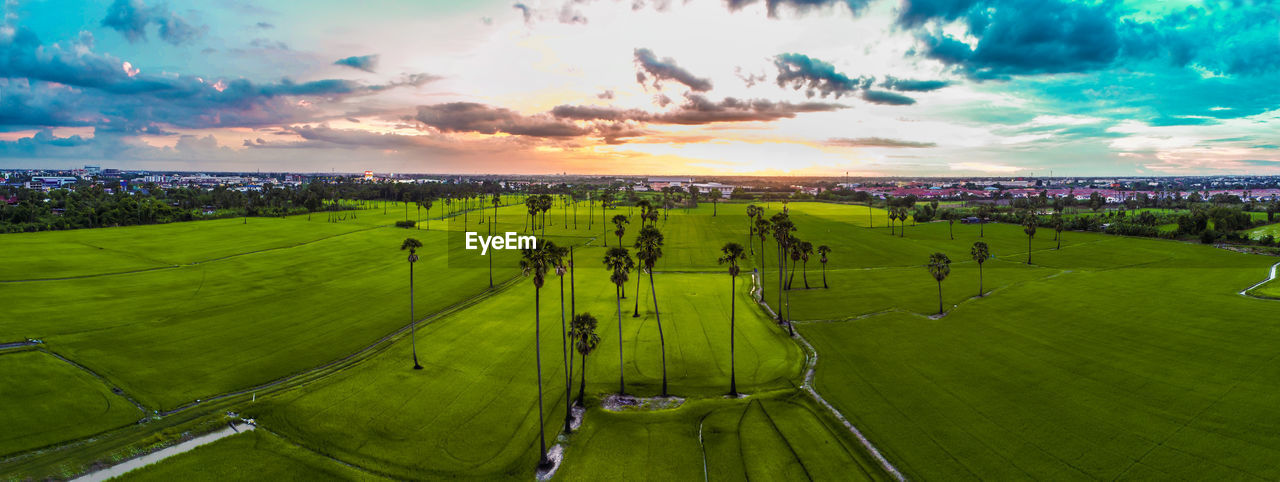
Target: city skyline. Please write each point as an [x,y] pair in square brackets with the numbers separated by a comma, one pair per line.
[774,87]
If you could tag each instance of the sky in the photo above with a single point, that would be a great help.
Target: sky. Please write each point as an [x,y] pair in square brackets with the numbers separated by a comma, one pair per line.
[698,87]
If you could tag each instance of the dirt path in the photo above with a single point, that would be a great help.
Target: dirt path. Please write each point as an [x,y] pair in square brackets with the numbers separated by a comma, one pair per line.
[153,457]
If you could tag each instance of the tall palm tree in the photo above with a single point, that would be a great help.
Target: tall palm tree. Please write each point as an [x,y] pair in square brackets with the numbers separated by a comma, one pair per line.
[823,251]
[733,253]
[620,222]
[649,250]
[806,250]
[531,210]
[940,268]
[497,201]
[536,262]
[582,330]
[903,214]
[893,216]
[714,197]
[561,269]
[752,212]
[618,262]
[412,245]
[782,228]
[763,228]
[949,215]
[645,207]
[793,252]
[1029,227]
[981,253]
[1058,225]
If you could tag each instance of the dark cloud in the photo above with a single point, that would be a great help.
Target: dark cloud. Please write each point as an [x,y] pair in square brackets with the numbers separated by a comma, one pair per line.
[749,78]
[264,25]
[131,18]
[799,71]
[802,6]
[698,110]
[817,77]
[886,97]
[877,142]
[909,85]
[484,119]
[1029,37]
[606,95]
[366,63]
[654,71]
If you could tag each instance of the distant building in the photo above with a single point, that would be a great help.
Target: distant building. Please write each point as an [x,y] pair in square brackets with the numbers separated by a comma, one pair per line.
[657,183]
[50,182]
[706,187]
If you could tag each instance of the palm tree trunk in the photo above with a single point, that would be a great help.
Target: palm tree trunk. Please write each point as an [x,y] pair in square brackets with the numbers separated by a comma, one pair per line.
[824,276]
[582,386]
[979,279]
[951,229]
[733,377]
[804,273]
[537,351]
[1028,249]
[662,341]
[622,384]
[636,313]
[564,349]
[781,269]
[1059,236]
[792,276]
[413,336]
[939,297]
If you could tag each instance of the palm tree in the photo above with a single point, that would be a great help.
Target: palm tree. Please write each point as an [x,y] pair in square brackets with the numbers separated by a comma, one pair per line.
[763,228]
[561,269]
[793,252]
[1058,225]
[903,214]
[980,253]
[732,254]
[823,250]
[645,207]
[806,250]
[649,250]
[949,215]
[893,216]
[620,222]
[412,245]
[1029,227]
[582,330]
[940,268]
[536,262]
[497,201]
[782,228]
[715,196]
[531,210]
[984,213]
[618,262]
[752,212]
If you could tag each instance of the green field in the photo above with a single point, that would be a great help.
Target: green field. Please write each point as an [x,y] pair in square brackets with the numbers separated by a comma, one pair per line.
[1112,357]
[47,400]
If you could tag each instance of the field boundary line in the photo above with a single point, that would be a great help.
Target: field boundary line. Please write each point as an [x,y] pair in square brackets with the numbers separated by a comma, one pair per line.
[811,363]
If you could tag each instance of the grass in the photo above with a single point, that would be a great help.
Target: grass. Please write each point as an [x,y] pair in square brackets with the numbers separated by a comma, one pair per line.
[249,455]
[47,400]
[478,390]
[772,436]
[1110,358]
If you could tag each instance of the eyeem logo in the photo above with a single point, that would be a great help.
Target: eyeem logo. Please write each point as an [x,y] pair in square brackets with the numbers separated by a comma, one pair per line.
[510,241]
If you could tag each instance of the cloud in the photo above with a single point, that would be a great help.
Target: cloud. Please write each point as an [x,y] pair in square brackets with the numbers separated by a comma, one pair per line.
[877,142]
[909,85]
[131,18]
[653,71]
[886,98]
[800,6]
[268,44]
[484,119]
[265,25]
[366,63]
[698,110]
[800,71]
[524,11]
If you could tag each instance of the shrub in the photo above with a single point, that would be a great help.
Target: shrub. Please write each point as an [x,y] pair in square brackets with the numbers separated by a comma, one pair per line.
[405,224]
[1208,236]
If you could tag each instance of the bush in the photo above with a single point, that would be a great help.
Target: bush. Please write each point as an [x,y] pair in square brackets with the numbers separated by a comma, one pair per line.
[1267,240]
[405,224]
[1208,236]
